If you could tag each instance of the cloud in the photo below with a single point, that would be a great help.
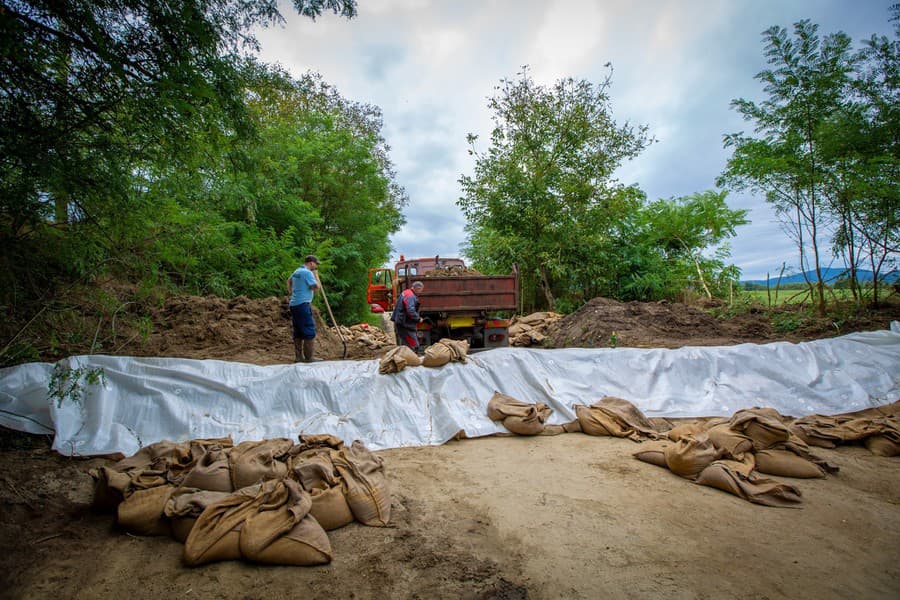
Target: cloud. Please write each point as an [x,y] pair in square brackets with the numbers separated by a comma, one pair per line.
[431,66]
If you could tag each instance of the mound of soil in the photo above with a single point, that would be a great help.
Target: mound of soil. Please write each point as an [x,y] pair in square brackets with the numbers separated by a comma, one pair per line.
[258,331]
[241,329]
[603,323]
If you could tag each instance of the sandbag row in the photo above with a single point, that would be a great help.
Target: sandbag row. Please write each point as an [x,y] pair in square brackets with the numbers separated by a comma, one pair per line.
[731,454]
[436,355]
[268,501]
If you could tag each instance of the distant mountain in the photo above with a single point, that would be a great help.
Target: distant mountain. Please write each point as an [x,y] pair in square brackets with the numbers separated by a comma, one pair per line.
[829,275]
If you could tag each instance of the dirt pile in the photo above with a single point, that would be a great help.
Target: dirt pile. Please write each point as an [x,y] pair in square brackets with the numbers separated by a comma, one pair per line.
[258,331]
[604,323]
[242,329]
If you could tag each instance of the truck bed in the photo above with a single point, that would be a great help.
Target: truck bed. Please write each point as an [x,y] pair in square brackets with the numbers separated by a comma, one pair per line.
[476,293]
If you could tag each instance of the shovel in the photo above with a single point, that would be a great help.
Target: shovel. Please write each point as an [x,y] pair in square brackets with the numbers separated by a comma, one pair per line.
[331,314]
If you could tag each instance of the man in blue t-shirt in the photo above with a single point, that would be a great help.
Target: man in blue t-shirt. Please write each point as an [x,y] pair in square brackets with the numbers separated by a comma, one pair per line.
[301,285]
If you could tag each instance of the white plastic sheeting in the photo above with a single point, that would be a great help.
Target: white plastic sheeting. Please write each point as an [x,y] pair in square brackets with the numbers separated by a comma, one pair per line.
[144,400]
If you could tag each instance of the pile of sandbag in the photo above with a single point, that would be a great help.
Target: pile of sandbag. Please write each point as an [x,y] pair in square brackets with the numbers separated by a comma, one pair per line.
[365,336]
[734,454]
[435,355]
[267,501]
[731,454]
[878,429]
[531,329]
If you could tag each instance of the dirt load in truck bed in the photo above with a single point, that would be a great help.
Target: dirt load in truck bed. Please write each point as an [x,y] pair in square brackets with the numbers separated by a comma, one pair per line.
[451,271]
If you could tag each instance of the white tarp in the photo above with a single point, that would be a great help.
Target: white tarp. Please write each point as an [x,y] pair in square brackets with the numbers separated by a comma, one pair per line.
[144,400]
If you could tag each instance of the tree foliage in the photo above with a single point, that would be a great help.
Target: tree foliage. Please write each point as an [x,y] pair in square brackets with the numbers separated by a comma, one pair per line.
[544,188]
[144,140]
[543,196]
[825,149]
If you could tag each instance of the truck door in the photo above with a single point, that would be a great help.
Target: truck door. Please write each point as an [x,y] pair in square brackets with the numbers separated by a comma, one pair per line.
[378,291]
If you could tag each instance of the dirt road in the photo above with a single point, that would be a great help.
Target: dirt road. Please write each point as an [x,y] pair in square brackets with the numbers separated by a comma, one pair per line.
[569,516]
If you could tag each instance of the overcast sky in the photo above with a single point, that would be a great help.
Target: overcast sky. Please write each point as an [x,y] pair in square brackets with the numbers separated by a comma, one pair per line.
[432,65]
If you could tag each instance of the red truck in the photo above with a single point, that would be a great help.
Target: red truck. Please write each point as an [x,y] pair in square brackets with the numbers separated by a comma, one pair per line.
[454,304]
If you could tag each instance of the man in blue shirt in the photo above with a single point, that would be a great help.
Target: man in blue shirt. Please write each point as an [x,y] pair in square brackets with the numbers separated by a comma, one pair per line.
[301,285]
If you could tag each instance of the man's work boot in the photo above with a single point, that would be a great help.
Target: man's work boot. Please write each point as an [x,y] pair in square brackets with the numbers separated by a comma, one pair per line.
[309,347]
[298,350]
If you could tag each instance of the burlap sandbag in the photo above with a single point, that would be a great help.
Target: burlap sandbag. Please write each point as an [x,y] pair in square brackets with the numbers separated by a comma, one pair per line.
[519,417]
[315,469]
[109,488]
[829,431]
[216,534]
[157,455]
[397,359]
[786,464]
[365,485]
[306,544]
[226,546]
[211,472]
[762,425]
[316,472]
[809,430]
[883,445]
[198,449]
[330,507]
[615,417]
[729,442]
[735,478]
[690,455]
[445,351]
[797,446]
[319,440]
[264,537]
[254,462]
[685,429]
[116,484]
[553,430]
[142,512]
[654,452]
[185,505]
[181,527]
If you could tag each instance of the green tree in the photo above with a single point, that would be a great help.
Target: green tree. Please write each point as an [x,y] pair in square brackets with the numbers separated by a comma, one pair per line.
[543,191]
[827,147]
[321,167]
[686,231]
[806,87]
[89,85]
[315,176]
[862,143]
[119,121]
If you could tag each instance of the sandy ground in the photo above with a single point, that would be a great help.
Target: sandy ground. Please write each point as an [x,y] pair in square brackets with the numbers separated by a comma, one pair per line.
[568,516]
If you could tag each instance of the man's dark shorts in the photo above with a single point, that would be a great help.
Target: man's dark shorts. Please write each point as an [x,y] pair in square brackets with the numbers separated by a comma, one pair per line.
[302,321]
